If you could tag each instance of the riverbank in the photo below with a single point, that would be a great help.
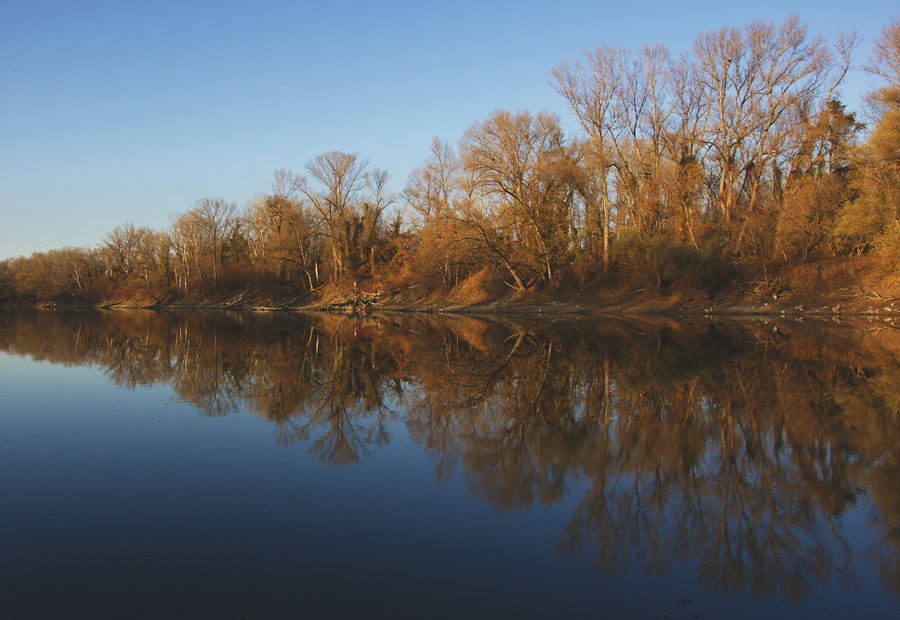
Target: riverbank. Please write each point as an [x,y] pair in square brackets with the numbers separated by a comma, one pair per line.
[864,289]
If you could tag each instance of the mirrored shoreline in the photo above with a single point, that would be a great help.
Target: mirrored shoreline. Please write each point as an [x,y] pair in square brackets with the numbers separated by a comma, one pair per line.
[735,451]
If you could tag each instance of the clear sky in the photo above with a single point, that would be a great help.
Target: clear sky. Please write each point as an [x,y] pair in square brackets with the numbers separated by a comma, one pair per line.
[130,111]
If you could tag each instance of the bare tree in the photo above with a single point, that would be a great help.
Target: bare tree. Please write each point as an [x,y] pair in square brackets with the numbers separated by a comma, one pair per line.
[433,188]
[686,147]
[757,82]
[885,63]
[440,194]
[514,159]
[218,224]
[593,93]
[643,113]
[379,200]
[122,247]
[342,177]
[200,240]
[281,230]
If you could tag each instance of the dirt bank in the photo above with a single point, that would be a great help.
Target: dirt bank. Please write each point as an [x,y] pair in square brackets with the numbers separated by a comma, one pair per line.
[865,290]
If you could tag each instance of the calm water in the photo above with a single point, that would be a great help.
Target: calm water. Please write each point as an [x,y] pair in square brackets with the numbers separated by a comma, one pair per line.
[239,465]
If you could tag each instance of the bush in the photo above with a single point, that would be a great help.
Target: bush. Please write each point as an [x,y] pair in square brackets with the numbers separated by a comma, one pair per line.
[887,244]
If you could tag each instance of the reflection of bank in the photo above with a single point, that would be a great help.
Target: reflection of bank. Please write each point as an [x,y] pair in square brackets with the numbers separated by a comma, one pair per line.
[884,485]
[714,446]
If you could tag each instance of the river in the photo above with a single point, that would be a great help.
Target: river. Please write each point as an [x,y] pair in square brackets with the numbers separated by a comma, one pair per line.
[213,464]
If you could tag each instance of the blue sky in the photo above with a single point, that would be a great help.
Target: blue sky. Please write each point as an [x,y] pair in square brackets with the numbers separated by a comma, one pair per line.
[115,112]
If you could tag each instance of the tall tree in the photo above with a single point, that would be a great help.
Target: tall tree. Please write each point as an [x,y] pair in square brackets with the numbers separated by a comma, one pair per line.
[122,248]
[440,194]
[820,183]
[282,231]
[757,82]
[593,93]
[873,219]
[515,159]
[342,177]
[201,240]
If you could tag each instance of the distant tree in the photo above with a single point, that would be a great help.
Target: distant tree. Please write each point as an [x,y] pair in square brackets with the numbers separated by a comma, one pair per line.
[201,240]
[7,282]
[74,270]
[433,188]
[219,226]
[122,248]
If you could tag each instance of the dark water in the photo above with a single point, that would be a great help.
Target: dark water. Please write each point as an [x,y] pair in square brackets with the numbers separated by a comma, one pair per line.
[219,465]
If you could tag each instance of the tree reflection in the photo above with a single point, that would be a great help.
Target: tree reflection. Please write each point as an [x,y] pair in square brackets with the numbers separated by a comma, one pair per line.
[734,449]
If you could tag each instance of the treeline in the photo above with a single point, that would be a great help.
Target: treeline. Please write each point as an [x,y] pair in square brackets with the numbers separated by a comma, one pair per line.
[736,155]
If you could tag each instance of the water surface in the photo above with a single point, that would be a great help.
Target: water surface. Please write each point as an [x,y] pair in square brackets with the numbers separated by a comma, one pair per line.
[241,465]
